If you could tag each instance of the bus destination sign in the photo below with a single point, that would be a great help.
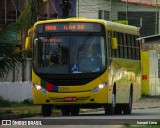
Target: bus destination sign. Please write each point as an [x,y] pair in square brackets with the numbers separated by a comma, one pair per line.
[75,27]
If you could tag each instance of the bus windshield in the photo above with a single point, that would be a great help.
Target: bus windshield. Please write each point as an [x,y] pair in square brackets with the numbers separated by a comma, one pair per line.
[67,54]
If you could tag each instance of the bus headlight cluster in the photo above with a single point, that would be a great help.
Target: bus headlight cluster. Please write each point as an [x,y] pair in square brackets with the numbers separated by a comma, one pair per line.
[99,87]
[40,88]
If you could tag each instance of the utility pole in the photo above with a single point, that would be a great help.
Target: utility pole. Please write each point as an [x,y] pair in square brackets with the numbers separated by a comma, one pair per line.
[127,10]
[156,20]
[65,8]
[110,10]
[5,12]
[78,8]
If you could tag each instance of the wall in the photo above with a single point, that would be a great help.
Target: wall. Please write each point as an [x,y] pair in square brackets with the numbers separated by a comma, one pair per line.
[150,79]
[154,82]
[90,8]
[20,73]
[16,91]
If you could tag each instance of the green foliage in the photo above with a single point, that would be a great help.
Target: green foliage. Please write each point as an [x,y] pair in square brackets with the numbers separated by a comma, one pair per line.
[28,102]
[4,103]
[8,40]
[140,126]
[8,103]
[9,111]
[9,61]
[23,22]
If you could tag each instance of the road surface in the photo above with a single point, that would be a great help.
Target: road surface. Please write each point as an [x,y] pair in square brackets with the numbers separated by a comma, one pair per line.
[96,119]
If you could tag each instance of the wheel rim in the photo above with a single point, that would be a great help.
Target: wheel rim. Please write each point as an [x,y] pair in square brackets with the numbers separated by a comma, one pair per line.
[130,101]
[113,100]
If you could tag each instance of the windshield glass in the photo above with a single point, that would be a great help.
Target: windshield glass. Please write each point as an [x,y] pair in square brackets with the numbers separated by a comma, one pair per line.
[69,54]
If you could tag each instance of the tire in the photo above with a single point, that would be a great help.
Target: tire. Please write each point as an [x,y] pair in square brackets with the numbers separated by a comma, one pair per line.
[118,109]
[46,110]
[65,111]
[109,108]
[127,108]
[75,111]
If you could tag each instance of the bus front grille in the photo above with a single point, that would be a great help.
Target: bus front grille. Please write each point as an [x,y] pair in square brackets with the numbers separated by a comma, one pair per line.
[78,99]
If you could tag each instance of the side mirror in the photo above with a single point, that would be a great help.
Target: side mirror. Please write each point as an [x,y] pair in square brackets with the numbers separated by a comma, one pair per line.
[114,43]
[27,43]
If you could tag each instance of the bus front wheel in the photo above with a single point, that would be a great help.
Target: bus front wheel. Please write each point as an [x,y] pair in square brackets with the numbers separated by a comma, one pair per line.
[65,111]
[46,110]
[74,110]
[109,108]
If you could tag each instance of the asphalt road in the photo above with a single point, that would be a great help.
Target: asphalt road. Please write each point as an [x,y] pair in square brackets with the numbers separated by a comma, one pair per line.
[96,119]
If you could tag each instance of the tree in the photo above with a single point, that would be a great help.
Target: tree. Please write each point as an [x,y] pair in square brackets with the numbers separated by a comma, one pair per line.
[9,58]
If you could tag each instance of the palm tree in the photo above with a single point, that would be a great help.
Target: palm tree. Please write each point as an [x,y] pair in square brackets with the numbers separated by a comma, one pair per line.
[9,58]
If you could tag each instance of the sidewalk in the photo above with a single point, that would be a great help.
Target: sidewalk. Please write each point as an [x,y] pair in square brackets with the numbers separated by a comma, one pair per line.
[147,102]
[144,102]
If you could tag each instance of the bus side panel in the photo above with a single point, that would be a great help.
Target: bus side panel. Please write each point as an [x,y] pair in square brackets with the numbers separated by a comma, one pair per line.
[123,74]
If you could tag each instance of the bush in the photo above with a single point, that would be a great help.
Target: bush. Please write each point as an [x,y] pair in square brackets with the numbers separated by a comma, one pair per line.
[5,103]
[28,102]
[8,103]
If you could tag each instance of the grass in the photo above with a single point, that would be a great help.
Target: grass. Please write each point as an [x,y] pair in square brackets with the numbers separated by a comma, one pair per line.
[25,107]
[142,126]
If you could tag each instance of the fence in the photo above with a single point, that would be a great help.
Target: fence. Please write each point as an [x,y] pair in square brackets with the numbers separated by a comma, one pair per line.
[12,87]
[16,91]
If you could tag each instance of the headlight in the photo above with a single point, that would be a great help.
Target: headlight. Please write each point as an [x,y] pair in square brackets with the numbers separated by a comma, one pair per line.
[40,88]
[99,87]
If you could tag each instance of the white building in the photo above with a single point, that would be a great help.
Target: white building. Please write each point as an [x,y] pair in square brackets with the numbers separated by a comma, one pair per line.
[141,13]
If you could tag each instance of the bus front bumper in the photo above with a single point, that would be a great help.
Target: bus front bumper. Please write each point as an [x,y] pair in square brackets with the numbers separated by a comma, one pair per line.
[59,98]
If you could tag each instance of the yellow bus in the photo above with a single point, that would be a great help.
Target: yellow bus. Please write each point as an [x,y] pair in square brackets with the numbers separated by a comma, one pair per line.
[85,63]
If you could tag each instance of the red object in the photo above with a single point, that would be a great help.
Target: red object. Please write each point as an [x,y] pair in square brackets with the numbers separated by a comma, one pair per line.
[70,99]
[144,77]
[48,86]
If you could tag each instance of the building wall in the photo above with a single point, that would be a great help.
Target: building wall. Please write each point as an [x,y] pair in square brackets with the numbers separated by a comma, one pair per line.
[154,82]
[150,78]
[90,8]
[138,15]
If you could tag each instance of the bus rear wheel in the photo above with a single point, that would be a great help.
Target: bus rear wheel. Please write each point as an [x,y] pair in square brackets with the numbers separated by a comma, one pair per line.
[46,110]
[127,108]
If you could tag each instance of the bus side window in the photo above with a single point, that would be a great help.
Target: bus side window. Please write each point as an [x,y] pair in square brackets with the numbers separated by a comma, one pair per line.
[125,48]
[113,51]
[137,48]
[128,46]
[133,48]
[121,45]
[117,35]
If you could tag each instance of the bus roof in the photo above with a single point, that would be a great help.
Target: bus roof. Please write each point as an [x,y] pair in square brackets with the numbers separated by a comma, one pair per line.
[113,26]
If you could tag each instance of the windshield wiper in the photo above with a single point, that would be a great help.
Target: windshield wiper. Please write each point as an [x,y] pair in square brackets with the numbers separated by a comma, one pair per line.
[82,46]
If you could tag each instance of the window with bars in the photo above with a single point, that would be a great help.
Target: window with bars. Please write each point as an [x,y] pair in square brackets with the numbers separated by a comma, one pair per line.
[128,47]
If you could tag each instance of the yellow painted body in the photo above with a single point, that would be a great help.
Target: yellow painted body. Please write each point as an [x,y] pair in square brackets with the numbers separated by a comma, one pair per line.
[145,72]
[121,72]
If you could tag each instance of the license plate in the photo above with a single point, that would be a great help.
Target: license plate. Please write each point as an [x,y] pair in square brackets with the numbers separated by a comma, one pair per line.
[70,99]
